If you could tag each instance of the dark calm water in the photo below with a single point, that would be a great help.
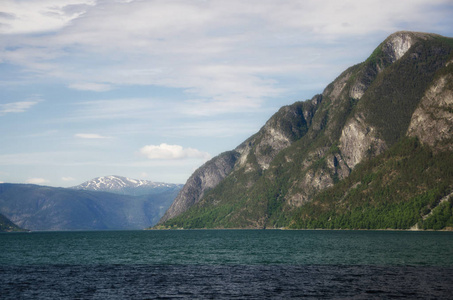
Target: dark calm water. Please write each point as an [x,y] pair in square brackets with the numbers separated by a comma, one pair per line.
[226,264]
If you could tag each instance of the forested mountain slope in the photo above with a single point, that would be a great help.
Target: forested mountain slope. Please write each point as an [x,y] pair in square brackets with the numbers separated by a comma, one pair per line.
[374,150]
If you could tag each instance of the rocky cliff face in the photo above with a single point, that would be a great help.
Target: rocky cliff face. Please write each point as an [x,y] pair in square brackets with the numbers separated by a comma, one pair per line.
[289,124]
[346,124]
[357,139]
[253,155]
[403,88]
[204,178]
[432,121]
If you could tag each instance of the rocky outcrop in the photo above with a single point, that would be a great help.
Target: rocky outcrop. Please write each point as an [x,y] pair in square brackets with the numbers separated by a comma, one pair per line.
[398,44]
[289,124]
[391,50]
[361,137]
[358,140]
[432,121]
[204,178]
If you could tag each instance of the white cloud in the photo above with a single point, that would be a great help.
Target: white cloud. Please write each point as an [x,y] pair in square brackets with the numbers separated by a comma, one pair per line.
[91,86]
[144,175]
[171,152]
[40,16]
[67,179]
[90,136]
[16,107]
[37,181]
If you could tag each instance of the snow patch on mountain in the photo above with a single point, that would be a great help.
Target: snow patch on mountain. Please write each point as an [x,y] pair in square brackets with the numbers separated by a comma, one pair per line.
[126,186]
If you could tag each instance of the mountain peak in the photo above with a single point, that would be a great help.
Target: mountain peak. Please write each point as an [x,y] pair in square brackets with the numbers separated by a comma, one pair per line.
[127,186]
[398,43]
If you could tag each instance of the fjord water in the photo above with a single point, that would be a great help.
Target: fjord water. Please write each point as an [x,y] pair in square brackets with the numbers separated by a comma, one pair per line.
[226,264]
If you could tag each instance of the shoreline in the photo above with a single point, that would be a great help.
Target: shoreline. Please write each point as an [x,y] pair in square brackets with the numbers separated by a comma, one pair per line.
[447,229]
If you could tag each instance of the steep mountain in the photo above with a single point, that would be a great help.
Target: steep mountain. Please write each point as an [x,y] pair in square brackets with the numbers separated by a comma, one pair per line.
[46,208]
[374,150]
[126,186]
[7,226]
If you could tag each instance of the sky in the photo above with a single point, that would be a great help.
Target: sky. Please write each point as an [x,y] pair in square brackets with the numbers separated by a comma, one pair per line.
[153,89]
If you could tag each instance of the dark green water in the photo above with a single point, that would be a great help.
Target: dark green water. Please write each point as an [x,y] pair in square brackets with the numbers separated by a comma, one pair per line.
[226,264]
[229,247]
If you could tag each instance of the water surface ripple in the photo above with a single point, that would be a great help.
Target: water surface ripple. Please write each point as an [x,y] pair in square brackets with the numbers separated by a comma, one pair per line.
[226,264]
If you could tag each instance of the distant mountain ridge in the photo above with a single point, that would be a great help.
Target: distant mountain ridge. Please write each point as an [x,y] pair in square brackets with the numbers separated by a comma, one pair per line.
[126,186]
[104,203]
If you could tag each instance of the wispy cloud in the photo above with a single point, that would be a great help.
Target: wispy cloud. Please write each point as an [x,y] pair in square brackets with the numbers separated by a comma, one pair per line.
[227,55]
[16,107]
[91,86]
[66,179]
[91,136]
[171,152]
[37,181]
[128,108]
[40,16]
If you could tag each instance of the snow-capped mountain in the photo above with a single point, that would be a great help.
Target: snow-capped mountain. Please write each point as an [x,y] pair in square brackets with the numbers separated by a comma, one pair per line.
[127,186]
